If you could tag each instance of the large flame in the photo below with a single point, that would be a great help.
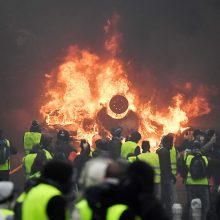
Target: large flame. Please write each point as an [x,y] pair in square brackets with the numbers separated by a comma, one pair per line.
[86,82]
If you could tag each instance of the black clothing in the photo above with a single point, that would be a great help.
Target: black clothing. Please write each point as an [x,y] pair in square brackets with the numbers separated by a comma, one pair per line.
[63,147]
[115,148]
[80,161]
[56,208]
[165,165]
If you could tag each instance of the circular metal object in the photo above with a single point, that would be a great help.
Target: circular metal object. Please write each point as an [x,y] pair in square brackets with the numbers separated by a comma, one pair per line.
[118,104]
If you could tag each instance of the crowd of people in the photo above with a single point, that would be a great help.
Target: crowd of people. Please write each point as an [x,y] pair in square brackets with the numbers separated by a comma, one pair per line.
[110,178]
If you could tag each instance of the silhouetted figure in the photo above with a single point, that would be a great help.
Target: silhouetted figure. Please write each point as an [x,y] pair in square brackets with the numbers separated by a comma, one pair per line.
[115,143]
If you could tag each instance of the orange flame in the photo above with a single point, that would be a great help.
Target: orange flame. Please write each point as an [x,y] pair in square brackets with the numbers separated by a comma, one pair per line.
[86,82]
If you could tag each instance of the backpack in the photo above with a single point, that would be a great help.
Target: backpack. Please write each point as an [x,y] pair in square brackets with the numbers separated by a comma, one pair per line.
[4,151]
[198,167]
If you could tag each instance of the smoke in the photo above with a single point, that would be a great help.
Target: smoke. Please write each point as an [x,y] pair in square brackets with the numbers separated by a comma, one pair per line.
[164,43]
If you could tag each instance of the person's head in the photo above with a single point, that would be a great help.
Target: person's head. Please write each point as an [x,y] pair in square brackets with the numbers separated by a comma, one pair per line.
[85,146]
[7,192]
[139,179]
[93,172]
[135,136]
[167,141]
[59,174]
[116,132]
[117,169]
[35,126]
[63,135]
[102,144]
[46,140]
[94,139]
[145,146]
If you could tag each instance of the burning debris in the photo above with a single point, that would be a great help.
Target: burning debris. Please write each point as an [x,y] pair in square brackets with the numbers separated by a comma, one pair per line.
[91,94]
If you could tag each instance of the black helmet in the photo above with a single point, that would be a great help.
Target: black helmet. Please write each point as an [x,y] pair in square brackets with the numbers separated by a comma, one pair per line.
[63,135]
[116,132]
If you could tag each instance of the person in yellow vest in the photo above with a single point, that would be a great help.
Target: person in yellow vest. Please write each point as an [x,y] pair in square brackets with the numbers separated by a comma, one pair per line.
[7,194]
[130,147]
[46,201]
[153,160]
[196,181]
[102,200]
[32,137]
[34,161]
[6,150]
[168,180]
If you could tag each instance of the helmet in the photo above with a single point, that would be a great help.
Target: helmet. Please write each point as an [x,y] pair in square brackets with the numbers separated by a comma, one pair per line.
[63,135]
[116,132]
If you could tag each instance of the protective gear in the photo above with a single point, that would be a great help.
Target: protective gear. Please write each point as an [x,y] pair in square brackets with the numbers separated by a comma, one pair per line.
[189,180]
[36,201]
[31,139]
[128,148]
[29,160]
[153,160]
[63,135]
[173,160]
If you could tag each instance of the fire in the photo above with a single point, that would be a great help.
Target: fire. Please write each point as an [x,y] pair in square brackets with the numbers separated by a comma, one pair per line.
[85,83]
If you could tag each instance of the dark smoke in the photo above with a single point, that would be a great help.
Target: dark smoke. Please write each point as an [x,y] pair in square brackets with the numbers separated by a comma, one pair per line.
[165,41]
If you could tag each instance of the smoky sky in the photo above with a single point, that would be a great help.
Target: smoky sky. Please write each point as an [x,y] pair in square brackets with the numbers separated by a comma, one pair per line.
[165,41]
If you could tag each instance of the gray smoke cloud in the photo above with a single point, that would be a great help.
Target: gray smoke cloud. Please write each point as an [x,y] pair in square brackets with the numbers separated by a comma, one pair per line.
[166,42]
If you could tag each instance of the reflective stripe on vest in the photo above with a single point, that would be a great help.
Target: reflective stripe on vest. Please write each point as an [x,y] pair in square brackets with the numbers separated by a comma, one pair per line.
[153,160]
[173,160]
[6,165]
[36,200]
[127,148]
[189,180]
[30,139]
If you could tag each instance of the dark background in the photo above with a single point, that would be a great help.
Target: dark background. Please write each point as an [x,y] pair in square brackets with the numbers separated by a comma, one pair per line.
[167,42]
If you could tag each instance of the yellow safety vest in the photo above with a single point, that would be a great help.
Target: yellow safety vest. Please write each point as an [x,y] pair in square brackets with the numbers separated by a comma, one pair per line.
[127,148]
[30,139]
[6,165]
[189,180]
[113,212]
[153,160]
[36,201]
[173,160]
[28,161]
